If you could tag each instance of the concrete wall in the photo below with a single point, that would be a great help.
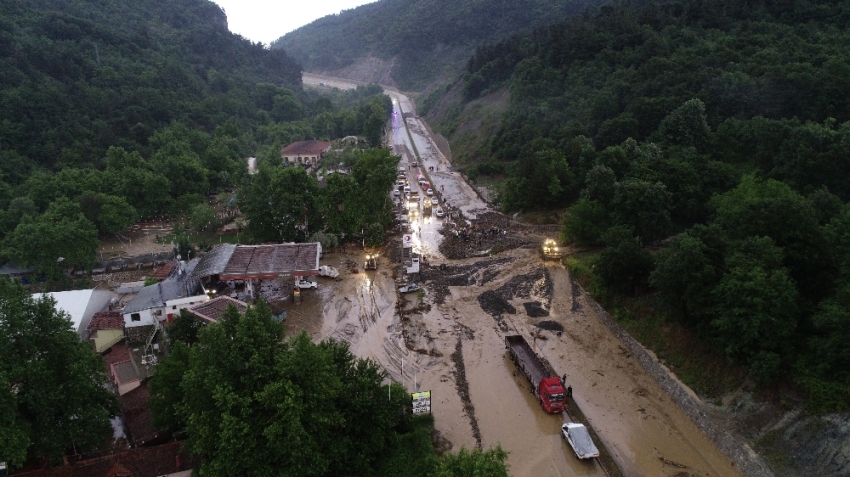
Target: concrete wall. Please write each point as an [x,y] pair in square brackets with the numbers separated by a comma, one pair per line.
[173,307]
[147,318]
[103,339]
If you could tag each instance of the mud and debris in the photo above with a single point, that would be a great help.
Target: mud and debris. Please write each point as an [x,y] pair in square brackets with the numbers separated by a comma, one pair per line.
[494,304]
[550,325]
[463,390]
[490,233]
[445,343]
[534,309]
[439,279]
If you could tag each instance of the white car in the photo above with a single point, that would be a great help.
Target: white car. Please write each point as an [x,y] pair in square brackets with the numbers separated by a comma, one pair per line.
[429,192]
[440,212]
[579,439]
[435,201]
[396,192]
[306,284]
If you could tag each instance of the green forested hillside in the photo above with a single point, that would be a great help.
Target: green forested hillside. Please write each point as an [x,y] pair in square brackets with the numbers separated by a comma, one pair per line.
[426,36]
[77,77]
[115,111]
[719,129]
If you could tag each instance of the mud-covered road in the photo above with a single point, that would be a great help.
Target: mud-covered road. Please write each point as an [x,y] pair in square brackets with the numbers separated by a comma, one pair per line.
[451,341]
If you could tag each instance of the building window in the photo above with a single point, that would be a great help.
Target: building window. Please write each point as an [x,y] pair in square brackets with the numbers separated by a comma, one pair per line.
[174,307]
[135,317]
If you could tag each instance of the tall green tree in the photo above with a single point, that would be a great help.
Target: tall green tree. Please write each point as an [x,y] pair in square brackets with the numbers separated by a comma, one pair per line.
[55,389]
[59,237]
[251,401]
[756,308]
[281,204]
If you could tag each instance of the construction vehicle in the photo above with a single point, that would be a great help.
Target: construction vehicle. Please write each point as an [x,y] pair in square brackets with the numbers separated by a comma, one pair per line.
[371,261]
[545,385]
[550,249]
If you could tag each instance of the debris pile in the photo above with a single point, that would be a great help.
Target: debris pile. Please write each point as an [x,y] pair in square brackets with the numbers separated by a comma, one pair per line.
[534,309]
[536,284]
[439,279]
[494,304]
[489,233]
[550,325]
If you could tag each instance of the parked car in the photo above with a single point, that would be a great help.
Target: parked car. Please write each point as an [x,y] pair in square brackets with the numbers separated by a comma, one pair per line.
[440,212]
[435,201]
[410,287]
[429,192]
[306,284]
[396,192]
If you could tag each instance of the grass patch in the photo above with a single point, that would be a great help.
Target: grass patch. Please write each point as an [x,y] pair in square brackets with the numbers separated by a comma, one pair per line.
[693,361]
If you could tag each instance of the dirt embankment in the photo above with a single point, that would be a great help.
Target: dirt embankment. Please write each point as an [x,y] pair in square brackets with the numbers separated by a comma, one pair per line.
[364,70]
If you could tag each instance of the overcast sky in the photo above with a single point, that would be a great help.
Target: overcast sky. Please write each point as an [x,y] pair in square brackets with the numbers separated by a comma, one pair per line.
[268,20]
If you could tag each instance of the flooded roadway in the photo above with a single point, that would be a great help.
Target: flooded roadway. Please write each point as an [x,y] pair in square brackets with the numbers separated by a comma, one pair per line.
[647,434]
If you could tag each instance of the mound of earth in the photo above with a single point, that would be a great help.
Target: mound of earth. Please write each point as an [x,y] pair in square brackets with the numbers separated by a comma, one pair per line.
[535,309]
[550,325]
[495,305]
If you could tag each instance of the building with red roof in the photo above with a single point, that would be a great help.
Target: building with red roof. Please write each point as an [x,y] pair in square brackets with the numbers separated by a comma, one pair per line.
[214,309]
[305,153]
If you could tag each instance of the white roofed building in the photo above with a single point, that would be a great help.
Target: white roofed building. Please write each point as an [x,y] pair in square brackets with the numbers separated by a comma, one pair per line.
[80,305]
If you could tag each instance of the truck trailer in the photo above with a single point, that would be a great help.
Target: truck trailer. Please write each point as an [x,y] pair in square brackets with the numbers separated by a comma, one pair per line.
[547,388]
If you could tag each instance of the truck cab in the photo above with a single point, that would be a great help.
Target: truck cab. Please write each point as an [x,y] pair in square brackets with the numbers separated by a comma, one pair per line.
[551,394]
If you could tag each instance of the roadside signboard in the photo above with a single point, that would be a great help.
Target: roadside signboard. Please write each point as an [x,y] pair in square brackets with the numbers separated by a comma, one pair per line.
[422,402]
[407,240]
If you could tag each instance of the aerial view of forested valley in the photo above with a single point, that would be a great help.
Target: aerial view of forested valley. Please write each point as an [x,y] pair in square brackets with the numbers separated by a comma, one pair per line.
[432,238]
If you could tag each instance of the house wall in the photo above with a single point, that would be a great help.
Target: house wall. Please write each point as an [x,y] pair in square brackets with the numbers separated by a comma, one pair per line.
[173,307]
[127,387]
[103,339]
[146,318]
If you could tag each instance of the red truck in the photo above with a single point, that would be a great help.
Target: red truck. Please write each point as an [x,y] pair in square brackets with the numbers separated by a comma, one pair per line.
[548,389]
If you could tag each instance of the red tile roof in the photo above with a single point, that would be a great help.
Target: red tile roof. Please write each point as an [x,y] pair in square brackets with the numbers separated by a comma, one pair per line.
[141,462]
[212,310]
[106,320]
[136,398]
[140,424]
[272,261]
[164,271]
[118,353]
[305,148]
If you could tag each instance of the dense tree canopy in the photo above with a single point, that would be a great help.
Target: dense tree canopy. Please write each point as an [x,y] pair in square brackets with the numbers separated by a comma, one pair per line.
[252,402]
[716,133]
[140,110]
[55,394]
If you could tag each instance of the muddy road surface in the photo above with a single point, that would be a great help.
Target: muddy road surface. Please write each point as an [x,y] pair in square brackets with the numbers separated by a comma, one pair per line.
[450,340]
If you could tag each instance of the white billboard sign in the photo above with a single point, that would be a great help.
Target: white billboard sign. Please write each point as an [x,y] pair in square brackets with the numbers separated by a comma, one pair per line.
[421,402]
